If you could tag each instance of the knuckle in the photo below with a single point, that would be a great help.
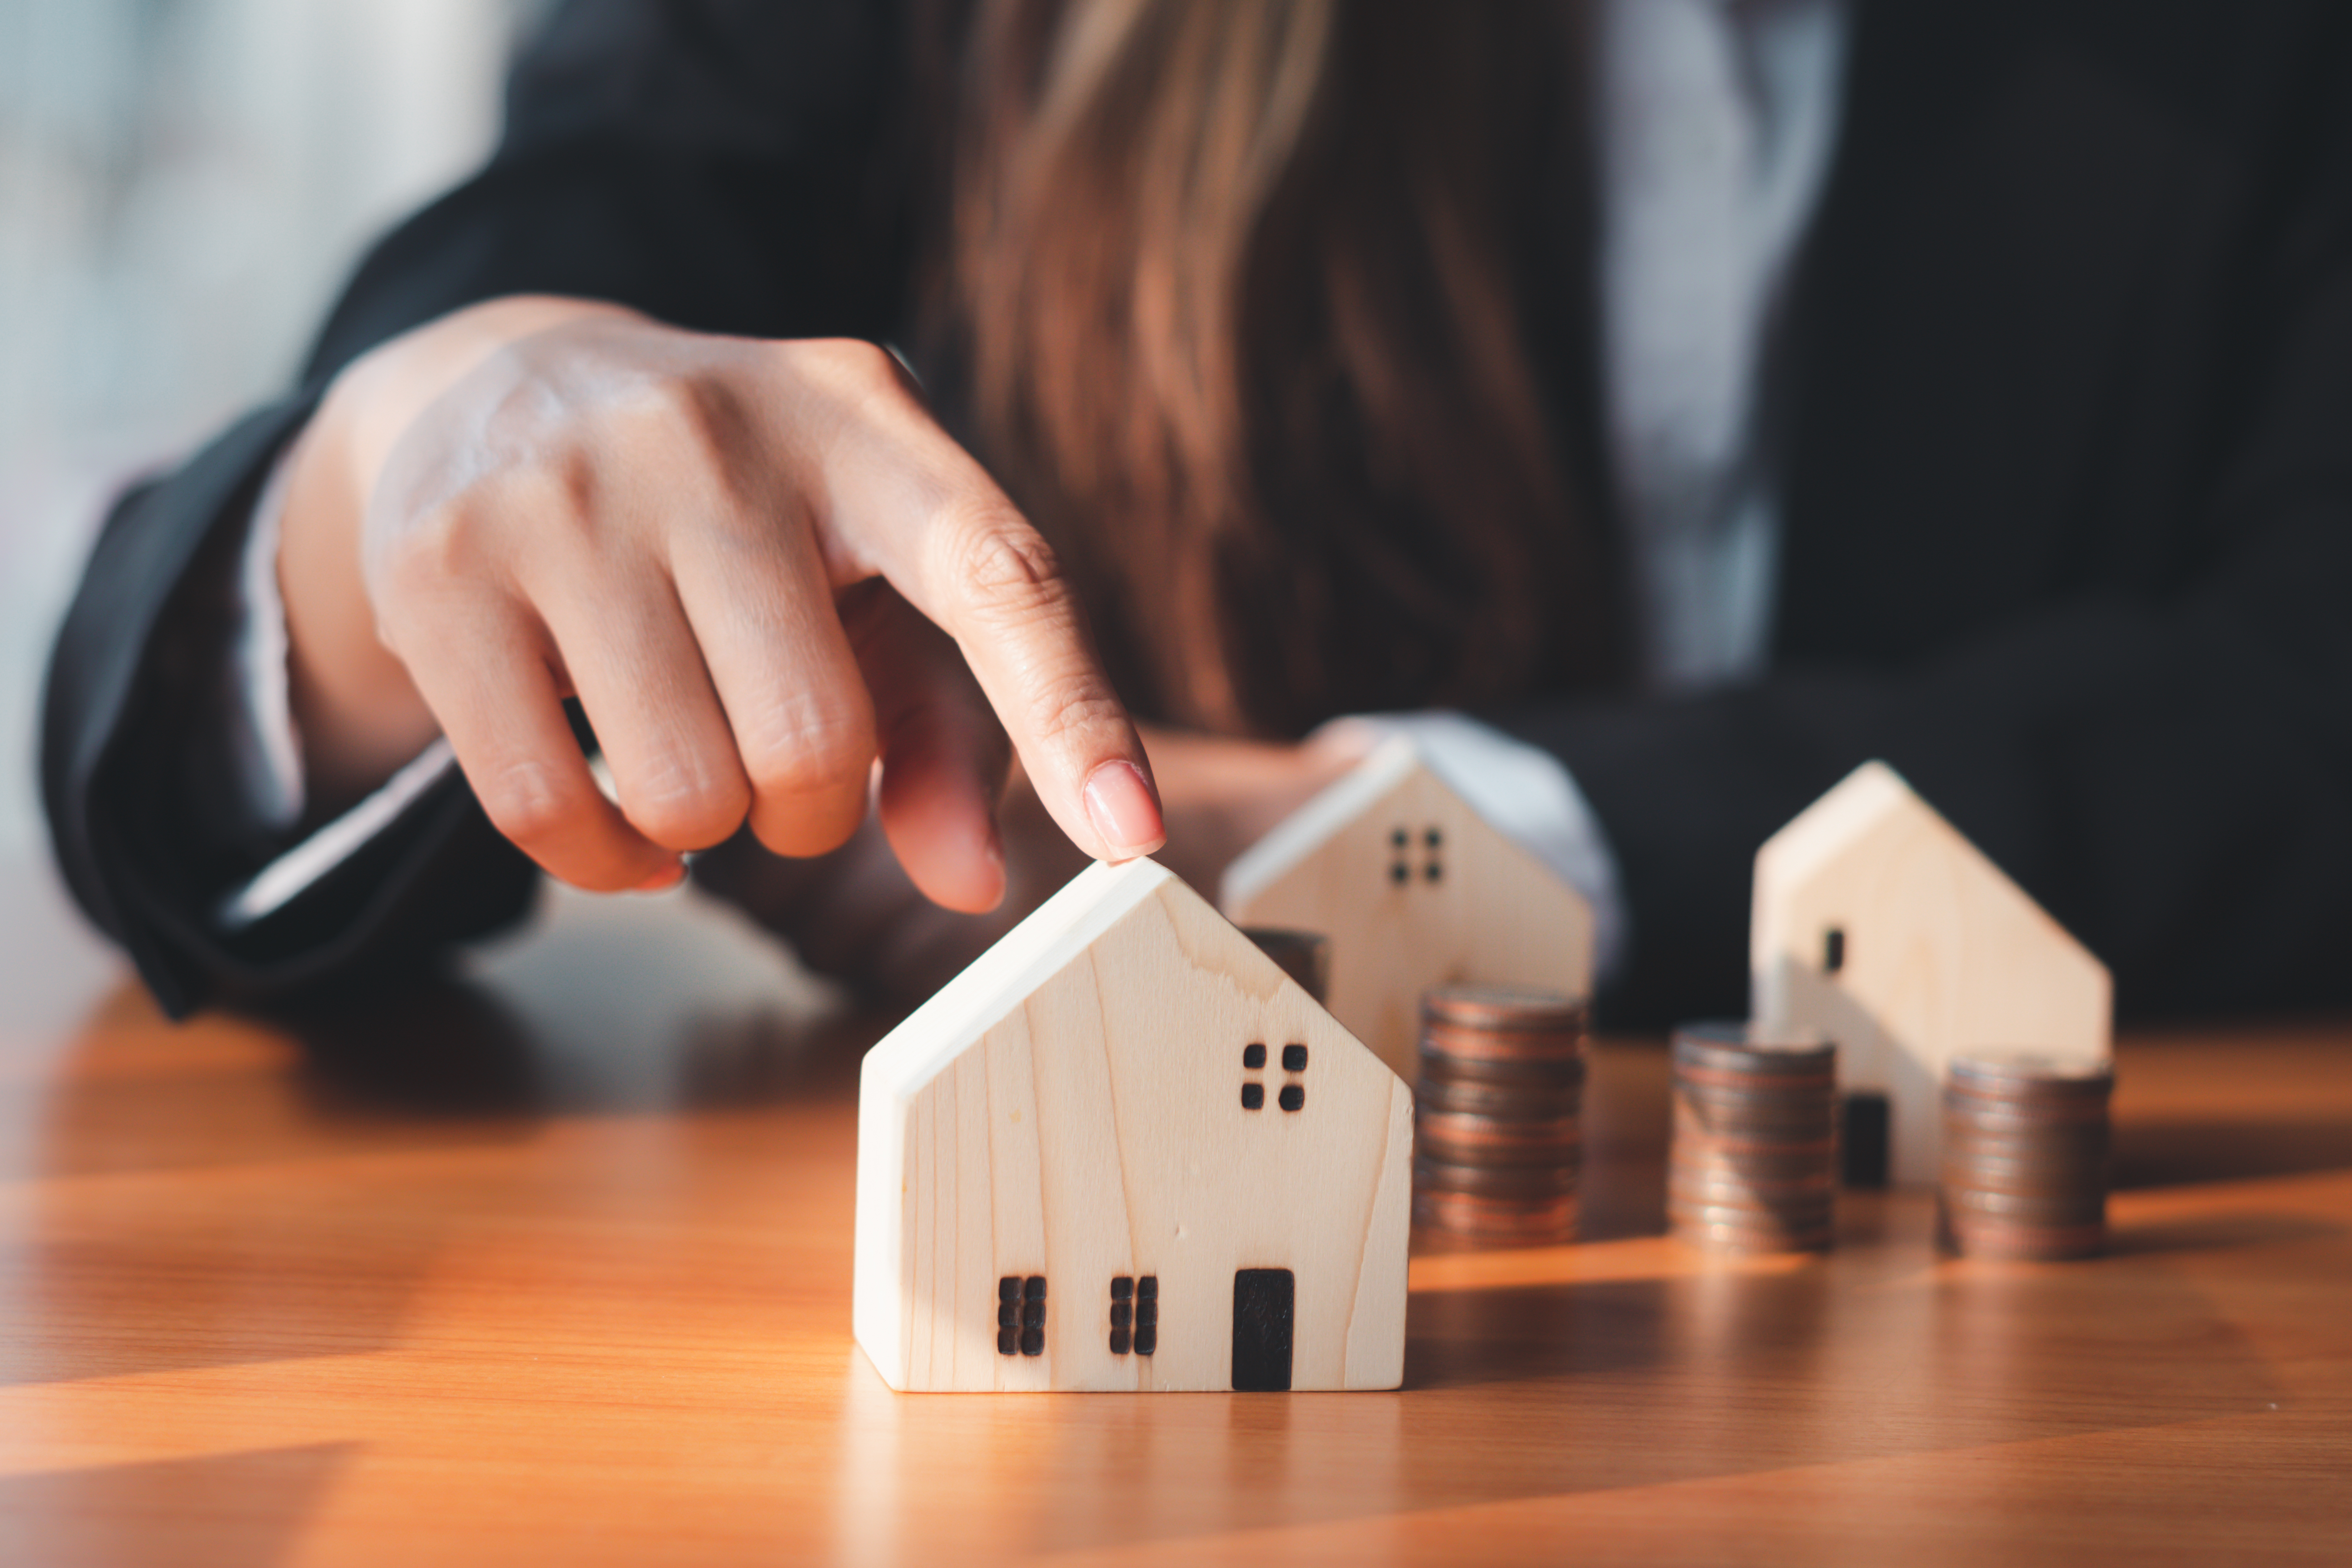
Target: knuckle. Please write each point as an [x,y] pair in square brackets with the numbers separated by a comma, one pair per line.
[849,365]
[999,567]
[439,544]
[488,522]
[672,403]
[811,755]
[671,420]
[1078,708]
[682,808]
[534,804]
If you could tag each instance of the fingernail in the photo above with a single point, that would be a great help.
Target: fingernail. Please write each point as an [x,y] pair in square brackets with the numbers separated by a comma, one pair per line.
[668,876]
[1121,805]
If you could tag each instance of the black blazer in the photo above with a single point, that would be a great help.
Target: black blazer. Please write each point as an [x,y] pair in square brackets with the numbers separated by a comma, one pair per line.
[2067,483]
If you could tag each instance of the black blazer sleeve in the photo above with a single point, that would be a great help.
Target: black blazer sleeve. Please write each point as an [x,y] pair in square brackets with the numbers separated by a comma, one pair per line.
[720,164]
[2068,530]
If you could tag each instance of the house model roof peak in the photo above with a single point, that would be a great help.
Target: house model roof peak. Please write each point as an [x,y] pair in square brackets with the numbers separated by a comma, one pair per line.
[1839,824]
[1055,933]
[1825,829]
[1314,825]
[994,983]
[1414,886]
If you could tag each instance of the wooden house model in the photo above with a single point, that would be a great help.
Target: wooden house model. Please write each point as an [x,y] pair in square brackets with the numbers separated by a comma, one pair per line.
[1123,1150]
[1415,890]
[1878,924]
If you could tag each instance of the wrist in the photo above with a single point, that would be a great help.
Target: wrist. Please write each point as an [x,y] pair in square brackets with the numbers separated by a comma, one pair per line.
[357,714]
[356,711]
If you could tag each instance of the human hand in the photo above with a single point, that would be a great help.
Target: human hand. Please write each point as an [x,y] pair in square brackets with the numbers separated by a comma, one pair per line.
[854,914]
[760,567]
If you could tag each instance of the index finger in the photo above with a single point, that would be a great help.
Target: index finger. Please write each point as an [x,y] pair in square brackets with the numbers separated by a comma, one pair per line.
[907,502]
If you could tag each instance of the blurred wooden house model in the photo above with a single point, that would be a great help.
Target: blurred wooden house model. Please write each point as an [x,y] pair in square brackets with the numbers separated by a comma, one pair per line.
[1123,1150]
[1878,924]
[1415,890]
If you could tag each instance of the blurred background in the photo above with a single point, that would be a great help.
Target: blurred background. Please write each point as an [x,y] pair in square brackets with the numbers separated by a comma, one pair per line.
[183,185]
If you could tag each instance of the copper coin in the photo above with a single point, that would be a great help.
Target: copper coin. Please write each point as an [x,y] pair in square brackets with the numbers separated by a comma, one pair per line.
[1488,1138]
[1746,1084]
[1754,1124]
[1696,1146]
[1734,1088]
[1733,1046]
[1497,1098]
[1813,1101]
[2025,1176]
[1748,1239]
[2087,1172]
[2011,1114]
[1493,1182]
[1506,1220]
[1556,1074]
[1510,1045]
[2026,1148]
[1518,1008]
[1469,1126]
[1715,1186]
[2027,1208]
[1801,1226]
[1714,1122]
[1793,1217]
[1991,1195]
[1756,1166]
[1808,1221]
[2030,1074]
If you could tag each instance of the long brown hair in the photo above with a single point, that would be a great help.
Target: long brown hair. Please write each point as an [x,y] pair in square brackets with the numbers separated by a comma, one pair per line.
[1249,299]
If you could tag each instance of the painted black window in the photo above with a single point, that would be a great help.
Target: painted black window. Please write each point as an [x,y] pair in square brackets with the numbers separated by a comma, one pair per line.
[1134,1315]
[1433,847]
[1021,1315]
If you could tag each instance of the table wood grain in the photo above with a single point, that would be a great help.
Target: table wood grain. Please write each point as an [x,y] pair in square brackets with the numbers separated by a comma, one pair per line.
[551,1264]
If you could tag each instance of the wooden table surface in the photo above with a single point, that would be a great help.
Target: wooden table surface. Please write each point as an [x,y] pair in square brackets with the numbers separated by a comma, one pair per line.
[553,1267]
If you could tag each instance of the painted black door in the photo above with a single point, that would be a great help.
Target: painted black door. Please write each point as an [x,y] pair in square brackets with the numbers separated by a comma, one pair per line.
[1263,1299]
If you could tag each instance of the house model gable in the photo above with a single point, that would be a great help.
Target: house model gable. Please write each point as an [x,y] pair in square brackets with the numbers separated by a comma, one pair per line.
[1414,889]
[1876,923]
[1123,1150]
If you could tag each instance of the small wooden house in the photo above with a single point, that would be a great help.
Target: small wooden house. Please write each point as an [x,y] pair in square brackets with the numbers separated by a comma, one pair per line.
[1123,1150]
[1878,924]
[1415,890]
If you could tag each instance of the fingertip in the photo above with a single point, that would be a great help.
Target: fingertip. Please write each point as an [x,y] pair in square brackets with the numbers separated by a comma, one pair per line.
[984,890]
[1124,810]
[950,846]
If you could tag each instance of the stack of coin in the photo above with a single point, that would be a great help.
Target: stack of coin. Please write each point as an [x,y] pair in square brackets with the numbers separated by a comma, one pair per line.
[2025,1155]
[1754,1167]
[1502,1083]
